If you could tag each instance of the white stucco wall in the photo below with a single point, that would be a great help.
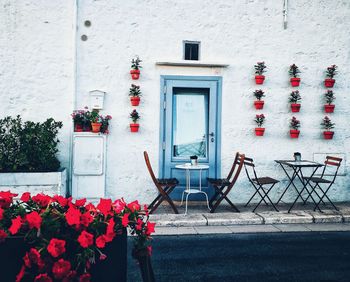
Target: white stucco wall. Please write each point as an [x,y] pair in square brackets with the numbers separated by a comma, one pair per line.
[239,33]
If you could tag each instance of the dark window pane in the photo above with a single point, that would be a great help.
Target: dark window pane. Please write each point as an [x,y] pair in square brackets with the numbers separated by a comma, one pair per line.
[191,51]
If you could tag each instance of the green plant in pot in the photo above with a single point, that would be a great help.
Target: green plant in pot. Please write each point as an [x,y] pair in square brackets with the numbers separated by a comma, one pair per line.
[259,119]
[259,70]
[294,98]
[329,107]
[134,126]
[135,68]
[294,73]
[96,121]
[294,124]
[134,94]
[327,125]
[105,124]
[259,104]
[330,73]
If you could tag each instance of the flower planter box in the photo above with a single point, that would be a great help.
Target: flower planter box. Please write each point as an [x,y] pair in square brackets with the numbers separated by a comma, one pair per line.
[259,79]
[295,81]
[259,105]
[329,108]
[50,183]
[294,133]
[113,268]
[328,135]
[135,74]
[135,101]
[329,82]
[295,107]
[259,131]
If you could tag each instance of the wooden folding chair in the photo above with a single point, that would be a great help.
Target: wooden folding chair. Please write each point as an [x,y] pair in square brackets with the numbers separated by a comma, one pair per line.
[258,183]
[164,186]
[223,186]
[329,162]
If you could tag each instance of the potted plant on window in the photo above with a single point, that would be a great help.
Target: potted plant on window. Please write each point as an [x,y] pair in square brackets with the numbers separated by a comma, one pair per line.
[259,70]
[96,121]
[134,126]
[135,94]
[259,119]
[329,108]
[105,124]
[327,125]
[294,124]
[294,98]
[330,73]
[259,104]
[294,73]
[135,68]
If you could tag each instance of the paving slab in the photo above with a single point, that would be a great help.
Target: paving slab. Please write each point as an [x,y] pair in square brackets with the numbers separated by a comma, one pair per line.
[253,228]
[177,220]
[233,218]
[292,227]
[345,211]
[165,230]
[326,216]
[272,217]
[328,227]
[212,229]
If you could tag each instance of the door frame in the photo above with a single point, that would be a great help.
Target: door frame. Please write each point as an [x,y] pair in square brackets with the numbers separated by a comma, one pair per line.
[163,79]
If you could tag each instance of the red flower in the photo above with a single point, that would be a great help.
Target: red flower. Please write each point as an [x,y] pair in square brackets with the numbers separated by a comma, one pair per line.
[16,225]
[3,235]
[33,257]
[73,216]
[119,205]
[25,197]
[61,268]
[6,199]
[103,256]
[56,247]
[86,219]
[43,278]
[101,241]
[61,200]
[110,233]
[70,276]
[86,277]
[134,206]
[80,202]
[34,220]
[125,220]
[85,239]
[1,213]
[90,207]
[105,206]
[150,228]
[20,275]
[42,200]
[139,224]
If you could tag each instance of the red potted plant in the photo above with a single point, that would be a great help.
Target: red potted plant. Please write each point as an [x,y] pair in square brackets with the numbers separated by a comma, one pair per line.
[135,68]
[327,125]
[259,104]
[135,94]
[294,98]
[294,73]
[134,126]
[329,108]
[259,119]
[105,124]
[259,70]
[294,124]
[330,73]
[96,121]
[81,120]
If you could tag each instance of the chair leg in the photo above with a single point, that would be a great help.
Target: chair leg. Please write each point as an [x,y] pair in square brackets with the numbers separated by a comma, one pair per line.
[265,196]
[323,196]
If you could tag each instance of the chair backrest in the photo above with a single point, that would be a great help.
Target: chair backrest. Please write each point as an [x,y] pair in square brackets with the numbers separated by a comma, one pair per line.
[249,165]
[234,165]
[149,167]
[239,160]
[331,162]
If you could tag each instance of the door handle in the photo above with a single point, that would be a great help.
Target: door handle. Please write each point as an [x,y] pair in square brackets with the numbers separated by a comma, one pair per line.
[212,136]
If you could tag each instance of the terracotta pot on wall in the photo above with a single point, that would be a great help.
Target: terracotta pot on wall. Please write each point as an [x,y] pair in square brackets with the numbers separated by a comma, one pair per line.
[329,108]
[258,104]
[295,108]
[329,82]
[259,79]
[294,133]
[78,127]
[135,74]
[135,101]
[259,131]
[134,127]
[328,134]
[295,81]
[96,126]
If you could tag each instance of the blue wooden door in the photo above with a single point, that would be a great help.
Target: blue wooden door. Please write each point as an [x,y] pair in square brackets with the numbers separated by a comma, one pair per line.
[190,126]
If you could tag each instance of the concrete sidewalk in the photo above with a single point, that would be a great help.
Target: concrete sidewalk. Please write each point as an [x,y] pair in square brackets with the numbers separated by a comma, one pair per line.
[300,219]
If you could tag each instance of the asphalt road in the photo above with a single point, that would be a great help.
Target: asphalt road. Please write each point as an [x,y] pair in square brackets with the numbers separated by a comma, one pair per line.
[311,256]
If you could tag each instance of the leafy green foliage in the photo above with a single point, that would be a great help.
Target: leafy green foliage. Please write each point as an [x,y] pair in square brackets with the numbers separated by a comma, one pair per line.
[327,123]
[260,68]
[294,123]
[28,146]
[329,95]
[294,97]
[331,71]
[135,91]
[135,63]
[134,115]
[259,119]
[259,94]
[294,71]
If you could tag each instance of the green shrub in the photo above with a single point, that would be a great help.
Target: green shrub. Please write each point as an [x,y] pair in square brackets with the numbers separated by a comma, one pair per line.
[28,146]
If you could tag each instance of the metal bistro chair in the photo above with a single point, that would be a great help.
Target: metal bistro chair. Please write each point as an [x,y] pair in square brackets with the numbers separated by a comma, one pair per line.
[223,186]
[258,183]
[330,161]
[164,186]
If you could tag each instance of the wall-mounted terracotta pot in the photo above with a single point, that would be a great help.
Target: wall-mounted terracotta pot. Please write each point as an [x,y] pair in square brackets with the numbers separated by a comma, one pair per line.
[328,134]
[135,101]
[259,131]
[259,79]
[135,74]
[295,81]
[329,108]
[295,108]
[134,127]
[294,133]
[329,82]
[258,104]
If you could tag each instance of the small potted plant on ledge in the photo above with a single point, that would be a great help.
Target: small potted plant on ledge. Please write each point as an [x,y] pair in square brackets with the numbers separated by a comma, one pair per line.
[105,124]
[327,125]
[329,95]
[330,73]
[135,68]
[259,104]
[134,126]
[96,121]
[294,73]
[259,70]
[134,94]
[259,119]
[294,124]
[294,98]
[78,120]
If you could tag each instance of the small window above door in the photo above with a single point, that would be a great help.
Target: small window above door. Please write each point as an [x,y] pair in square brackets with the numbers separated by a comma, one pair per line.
[191,50]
